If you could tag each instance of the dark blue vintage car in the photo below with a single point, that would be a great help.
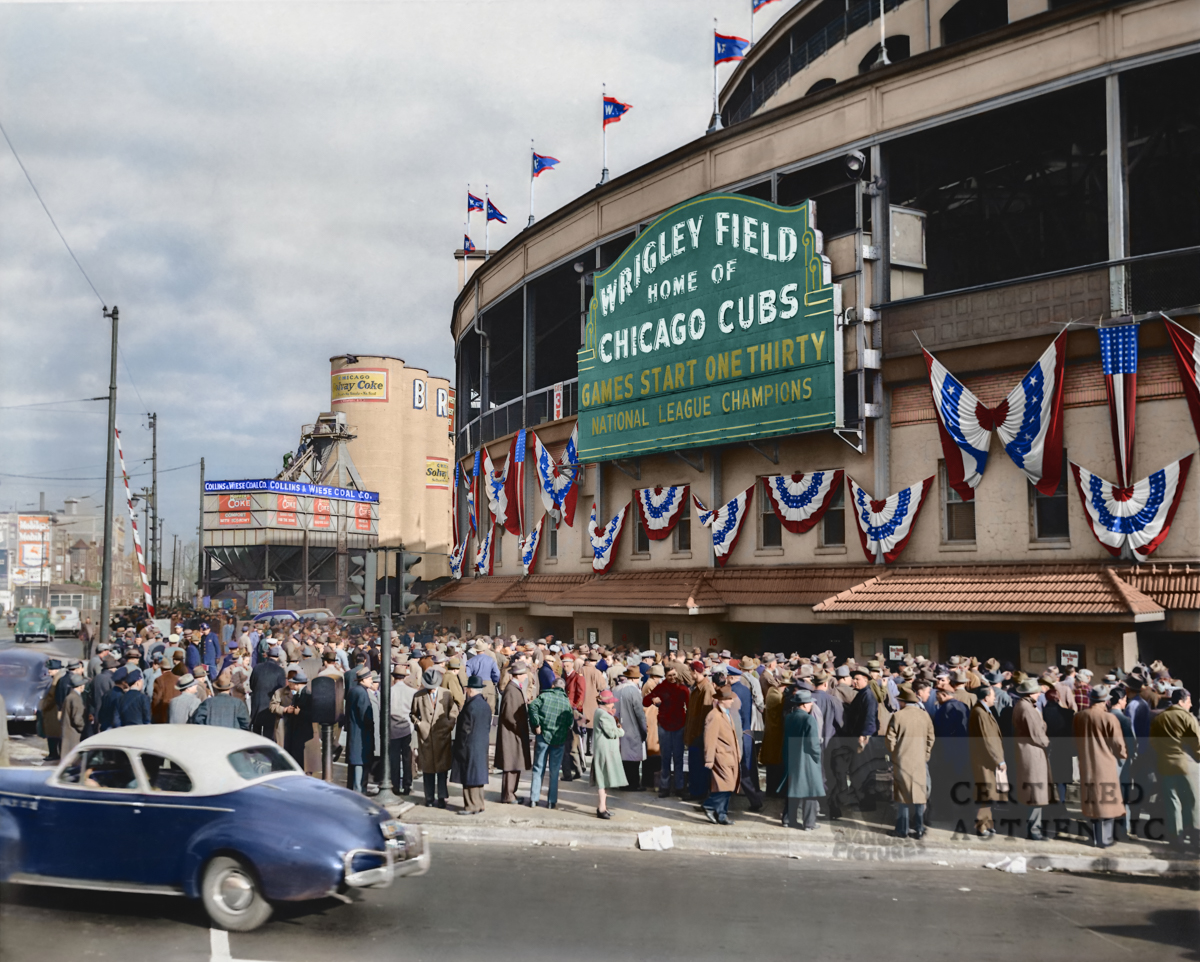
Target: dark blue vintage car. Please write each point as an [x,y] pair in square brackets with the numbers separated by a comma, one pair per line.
[209,813]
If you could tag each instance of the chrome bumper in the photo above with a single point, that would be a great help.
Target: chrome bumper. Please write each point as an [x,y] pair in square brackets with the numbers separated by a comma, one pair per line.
[402,857]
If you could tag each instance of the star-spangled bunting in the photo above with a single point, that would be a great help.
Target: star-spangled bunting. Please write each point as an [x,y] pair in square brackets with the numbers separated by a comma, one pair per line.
[660,508]
[542,164]
[484,553]
[473,202]
[605,540]
[529,546]
[493,213]
[1119,360]
[468,247]
[1138,516]
[800,501]
[726,522]
[614,110]
[1186,348]
[454,505]
[556,481]
[727,49]
[456,558]
[473,497]
[494,489]
[514,484]
[884,527]
[1029,422]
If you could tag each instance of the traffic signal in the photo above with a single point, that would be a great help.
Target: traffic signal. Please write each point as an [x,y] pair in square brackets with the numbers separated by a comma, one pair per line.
[404,561]
[362,579]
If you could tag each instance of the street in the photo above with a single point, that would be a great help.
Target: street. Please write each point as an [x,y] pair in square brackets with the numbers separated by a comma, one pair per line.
[547,903]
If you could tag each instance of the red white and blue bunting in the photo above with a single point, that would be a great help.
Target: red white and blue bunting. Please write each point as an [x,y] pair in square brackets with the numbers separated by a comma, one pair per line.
[473,497]
[606,539]
[454,505]
[1186,347]
[514,485]
[556,481]
[495,489]
[660,508]
[884,527]
[529,546]
[456,558]
[1139,515]
[726,522]
[484,553]
[1119,361]
[799,501]
[1029,422]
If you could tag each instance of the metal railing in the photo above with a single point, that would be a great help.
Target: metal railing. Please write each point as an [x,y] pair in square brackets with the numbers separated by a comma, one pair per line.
[856,18]
[536,407]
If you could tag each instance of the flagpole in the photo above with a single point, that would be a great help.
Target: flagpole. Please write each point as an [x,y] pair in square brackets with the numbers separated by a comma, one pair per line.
[715,124]
[467,221]
[531,152]
[603,136]
[751,23]
[487,223]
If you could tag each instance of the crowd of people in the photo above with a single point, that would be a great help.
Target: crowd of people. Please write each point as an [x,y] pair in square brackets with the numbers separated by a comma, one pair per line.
[982,747]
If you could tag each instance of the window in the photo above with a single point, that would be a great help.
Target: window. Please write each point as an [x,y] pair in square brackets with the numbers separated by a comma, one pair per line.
[641,537]
[958,516]
[920,650]
[253,763]
[100,768]
[497,546]
[1050,511]
[165,775]
[833,524]
[968,18]
[772,530]
[551,538]
[683,527]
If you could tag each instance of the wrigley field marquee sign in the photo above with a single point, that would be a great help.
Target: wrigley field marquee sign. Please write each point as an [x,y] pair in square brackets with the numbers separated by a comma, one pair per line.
[715,325]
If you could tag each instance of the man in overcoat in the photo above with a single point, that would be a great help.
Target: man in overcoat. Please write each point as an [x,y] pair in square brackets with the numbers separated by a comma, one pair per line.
[1175,741]
[722,757]
[433,715]
[1100,745]
[266,679]
[512,732]
[360,730]
[1033,787]
[74,715]
[910,743]
[804,783]
[631,716]
[471,746]
[987,758]
[700,704]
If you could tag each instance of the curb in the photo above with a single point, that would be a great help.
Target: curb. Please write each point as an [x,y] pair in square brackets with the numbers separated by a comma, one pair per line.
[904,852]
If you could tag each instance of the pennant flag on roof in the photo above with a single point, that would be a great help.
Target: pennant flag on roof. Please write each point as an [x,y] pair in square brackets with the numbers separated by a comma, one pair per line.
[1119,359]
[1139,515]
[727,49]
[494,214]
[660,508]
[884,527]
[468,247]
[614,110]
[542,164]
[473,202]
[756,5]
[799,501]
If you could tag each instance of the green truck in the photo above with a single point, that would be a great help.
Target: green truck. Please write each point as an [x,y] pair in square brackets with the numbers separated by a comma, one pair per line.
[34,624]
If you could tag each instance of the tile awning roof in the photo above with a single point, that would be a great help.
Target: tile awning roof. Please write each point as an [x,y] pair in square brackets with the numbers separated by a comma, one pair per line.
[1172,586]
[994,591]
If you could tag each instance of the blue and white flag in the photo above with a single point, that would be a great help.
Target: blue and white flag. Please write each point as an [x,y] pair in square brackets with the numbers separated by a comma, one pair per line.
[727,49]
[529,546]
[542,164]
[1139,515]
[468,247]
[473,202]
[605,540]
[494,214]
[1119,359]
[799,501]
[660,508]
[726,522]
[884,527]
[756,5]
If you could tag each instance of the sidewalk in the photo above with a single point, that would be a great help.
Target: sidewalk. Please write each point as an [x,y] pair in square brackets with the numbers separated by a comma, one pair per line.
[857,835]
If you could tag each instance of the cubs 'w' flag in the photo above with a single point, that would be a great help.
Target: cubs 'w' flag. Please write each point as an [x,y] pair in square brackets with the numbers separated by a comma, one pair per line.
[473,202]
[1186,346]
[541,164]
[884,527]
[614,110]
[468,247]
[1139,515]
[1119,358]
[727,49]
[495,490]
[605,540]
[529,546]
[514,485]
[660,508]
[799,501]
[494,214]
[726,522]
[484,553]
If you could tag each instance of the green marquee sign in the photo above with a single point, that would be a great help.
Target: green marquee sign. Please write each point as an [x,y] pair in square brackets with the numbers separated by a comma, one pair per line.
[715,325]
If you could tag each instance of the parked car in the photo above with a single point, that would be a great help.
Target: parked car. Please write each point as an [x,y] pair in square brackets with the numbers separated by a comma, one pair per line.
[219,815]
[34,624]
[319,615]
[279,615]
[24,678]
[66,620]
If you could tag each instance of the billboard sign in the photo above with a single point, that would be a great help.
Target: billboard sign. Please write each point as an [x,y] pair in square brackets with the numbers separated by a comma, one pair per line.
[288,512]
[234,510]
[717,324]
[292,487]
[323,514]
[364,384]
[260,601]
[437,473]
[33,550]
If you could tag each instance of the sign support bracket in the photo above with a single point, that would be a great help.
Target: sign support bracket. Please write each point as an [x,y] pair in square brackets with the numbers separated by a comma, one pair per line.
[636,464]
[773,457]
[698,467]
[855,437]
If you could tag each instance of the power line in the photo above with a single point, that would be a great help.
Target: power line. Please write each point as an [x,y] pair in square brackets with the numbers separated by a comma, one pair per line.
[53,223]
[38,404]
[142,474]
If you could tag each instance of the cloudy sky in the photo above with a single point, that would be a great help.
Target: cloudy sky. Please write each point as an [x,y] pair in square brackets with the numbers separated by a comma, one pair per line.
[262,186]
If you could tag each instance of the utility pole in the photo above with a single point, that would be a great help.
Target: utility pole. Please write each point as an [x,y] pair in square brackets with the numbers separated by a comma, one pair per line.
[200,537]
[153,533]
[174,557]
[106,575]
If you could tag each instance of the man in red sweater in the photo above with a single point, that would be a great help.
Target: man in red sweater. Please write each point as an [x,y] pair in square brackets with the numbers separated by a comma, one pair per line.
[671,699]
[573,760]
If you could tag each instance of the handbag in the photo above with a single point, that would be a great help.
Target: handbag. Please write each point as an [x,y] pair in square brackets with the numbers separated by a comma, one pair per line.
[1002,780]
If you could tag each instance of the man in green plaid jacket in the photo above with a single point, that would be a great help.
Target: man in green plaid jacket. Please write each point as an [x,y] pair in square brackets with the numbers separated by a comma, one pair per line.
[550,720]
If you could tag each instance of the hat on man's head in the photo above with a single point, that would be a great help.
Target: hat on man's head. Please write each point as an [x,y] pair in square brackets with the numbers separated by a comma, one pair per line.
[432,678]
[842,671]
[656,671]
[908,696]
[631,673]
[299,678]
[475,682]
[275,651]
[1029,686]
[120,674]
[185,682]
[860,672]
[133,676]
[959,677]
[518,668]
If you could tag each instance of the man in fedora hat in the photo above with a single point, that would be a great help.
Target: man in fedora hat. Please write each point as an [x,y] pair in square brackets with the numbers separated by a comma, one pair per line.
[512,732]
[1033,786]
[910,743]
[470,749]
[222,710]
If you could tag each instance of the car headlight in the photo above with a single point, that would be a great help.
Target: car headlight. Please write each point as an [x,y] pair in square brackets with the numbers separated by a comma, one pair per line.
[392,828]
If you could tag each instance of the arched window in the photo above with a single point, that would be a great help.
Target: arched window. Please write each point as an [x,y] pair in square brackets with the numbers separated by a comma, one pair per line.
[897,50]
[970,17]
[823,84]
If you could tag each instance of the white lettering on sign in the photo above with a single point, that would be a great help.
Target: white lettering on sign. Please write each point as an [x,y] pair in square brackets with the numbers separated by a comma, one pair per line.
[443,403]
[419,395]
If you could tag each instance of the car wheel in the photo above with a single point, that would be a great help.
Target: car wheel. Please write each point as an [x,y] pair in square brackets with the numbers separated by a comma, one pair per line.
[232,896]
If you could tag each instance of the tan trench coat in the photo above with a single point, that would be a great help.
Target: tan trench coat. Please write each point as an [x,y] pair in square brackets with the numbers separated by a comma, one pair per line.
[722,751]
[1033,764]
[1101,745]
[433,716]
[910,743]
[700,703]
[771,752]
[512,731]
[594,682]
[652,746]
[987,753]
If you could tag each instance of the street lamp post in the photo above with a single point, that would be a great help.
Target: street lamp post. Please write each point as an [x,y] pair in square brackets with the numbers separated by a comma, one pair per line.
[386,796]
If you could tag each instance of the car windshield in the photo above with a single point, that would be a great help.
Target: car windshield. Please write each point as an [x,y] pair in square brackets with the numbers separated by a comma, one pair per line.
[13,670]
[262,760]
